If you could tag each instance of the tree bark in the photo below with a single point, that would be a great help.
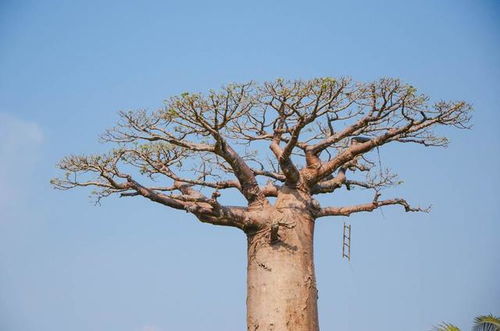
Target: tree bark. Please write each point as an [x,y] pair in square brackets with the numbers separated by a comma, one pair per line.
[281,285]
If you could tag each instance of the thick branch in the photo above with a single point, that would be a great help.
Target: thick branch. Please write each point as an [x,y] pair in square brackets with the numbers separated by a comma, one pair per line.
[347,211]
[327,124]
[446,116]
[330,185]
[248,184]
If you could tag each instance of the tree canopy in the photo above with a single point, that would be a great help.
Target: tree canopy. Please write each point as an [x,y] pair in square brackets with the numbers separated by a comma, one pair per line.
[310,135]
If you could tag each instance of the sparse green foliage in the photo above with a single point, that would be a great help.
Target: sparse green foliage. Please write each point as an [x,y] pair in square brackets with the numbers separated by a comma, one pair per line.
[312,128]
[289,140]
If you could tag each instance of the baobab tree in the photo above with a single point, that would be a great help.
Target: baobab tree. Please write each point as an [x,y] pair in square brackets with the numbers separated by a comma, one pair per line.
[279,144]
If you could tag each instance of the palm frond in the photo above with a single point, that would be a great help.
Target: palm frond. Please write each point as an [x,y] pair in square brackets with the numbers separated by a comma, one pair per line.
[446,327]
[486,323]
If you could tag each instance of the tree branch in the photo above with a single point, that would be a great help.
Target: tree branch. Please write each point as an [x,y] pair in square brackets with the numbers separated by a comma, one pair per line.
[348,210]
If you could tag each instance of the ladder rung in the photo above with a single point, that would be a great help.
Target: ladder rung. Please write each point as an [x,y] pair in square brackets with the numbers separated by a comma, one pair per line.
[346,242]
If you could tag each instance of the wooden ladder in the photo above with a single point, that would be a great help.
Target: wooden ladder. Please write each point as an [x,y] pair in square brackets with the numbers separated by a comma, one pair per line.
[346,242]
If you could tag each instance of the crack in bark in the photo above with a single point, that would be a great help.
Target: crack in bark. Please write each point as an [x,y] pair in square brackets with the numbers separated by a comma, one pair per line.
[263,266]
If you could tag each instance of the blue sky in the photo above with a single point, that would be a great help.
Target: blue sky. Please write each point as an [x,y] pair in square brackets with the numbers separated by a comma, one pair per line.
[67,67]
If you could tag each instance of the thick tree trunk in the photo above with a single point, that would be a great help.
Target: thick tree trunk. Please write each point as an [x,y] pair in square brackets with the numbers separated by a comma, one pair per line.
[281,284]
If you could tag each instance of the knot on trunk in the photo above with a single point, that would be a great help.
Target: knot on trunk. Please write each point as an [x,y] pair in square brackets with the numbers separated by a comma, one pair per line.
[274,229]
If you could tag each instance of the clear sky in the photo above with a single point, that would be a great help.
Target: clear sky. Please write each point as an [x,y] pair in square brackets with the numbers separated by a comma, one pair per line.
[67,67]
